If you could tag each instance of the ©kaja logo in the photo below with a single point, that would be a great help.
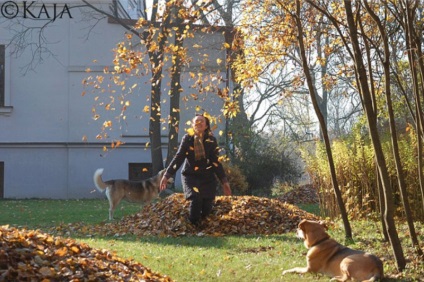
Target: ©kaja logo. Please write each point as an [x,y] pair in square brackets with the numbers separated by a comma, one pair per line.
[34,10]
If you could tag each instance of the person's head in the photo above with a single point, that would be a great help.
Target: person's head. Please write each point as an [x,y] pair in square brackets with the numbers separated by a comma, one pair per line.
[201,124]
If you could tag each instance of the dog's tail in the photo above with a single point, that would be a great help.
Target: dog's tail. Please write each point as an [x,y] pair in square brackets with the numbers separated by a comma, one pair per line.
[100,185]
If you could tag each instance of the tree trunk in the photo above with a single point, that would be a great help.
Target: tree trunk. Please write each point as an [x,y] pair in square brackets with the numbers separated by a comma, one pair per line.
[375,138]
[399,169]
[323,126]
[154,124]
[174,106]
[415,61]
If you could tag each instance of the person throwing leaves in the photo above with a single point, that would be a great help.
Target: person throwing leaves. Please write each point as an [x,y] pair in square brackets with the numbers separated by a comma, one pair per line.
[199,153]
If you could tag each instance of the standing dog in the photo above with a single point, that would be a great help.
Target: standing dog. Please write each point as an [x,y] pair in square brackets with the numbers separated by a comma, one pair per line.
[132,191]
[328,257]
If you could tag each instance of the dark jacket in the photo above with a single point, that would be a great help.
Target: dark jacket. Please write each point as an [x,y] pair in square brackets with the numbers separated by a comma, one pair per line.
[198,176]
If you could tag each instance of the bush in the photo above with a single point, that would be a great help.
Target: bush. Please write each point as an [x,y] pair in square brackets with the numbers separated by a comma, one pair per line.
[236,179]
[356,174]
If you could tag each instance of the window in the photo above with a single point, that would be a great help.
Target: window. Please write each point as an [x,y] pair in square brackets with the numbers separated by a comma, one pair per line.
[1,180]
[139,171]
[2,76]
[5,107]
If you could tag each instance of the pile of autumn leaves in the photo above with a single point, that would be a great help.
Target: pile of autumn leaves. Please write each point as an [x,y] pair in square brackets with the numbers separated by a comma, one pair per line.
[27,255]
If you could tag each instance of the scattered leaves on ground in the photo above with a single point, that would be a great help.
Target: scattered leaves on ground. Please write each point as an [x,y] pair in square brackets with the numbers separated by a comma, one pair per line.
[30,255]
[305,194]
[237,215]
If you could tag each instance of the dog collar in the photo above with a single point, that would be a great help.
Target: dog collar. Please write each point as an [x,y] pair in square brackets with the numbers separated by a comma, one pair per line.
[320,241]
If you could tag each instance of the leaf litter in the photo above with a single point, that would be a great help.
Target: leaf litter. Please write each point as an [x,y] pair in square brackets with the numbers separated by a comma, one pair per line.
[235,215]
[31,255]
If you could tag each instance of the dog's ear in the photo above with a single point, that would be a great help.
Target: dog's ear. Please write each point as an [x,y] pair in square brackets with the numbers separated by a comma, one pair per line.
[301,224]
[323,224]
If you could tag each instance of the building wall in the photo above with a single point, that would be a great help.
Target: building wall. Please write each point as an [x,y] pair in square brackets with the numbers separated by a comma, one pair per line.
[47,132]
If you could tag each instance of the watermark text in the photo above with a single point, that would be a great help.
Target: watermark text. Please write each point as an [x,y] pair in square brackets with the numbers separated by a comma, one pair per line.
[34,10]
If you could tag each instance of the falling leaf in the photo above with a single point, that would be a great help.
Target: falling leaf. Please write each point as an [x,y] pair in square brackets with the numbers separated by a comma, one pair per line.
[190,131]
[195,189]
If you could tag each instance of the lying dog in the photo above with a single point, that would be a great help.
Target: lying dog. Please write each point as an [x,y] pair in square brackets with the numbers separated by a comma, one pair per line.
[328,257]
[132,191]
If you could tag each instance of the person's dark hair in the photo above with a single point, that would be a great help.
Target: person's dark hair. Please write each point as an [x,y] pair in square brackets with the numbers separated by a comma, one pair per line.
[208,124]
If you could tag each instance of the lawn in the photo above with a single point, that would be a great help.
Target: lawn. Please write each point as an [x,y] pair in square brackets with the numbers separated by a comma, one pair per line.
[201,258]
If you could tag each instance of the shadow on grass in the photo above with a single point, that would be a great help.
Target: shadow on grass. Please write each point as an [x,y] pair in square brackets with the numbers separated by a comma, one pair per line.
[220,242]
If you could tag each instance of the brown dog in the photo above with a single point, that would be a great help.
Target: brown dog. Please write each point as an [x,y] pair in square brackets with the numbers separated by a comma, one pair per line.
[132,191]
[328,257]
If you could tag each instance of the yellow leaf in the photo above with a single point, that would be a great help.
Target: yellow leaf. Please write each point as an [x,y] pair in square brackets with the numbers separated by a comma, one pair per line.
[190,131]
[107,123]
[196,190]
[75,249]
[61,252]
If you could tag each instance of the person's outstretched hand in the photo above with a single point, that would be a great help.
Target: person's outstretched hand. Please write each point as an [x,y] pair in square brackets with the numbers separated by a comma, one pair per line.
[163,183]
[227,189]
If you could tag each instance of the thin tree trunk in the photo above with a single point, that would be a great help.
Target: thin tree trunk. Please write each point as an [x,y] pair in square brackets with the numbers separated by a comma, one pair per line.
[399,169]
[174,106]
[381,162]
[348,230]
[415,57]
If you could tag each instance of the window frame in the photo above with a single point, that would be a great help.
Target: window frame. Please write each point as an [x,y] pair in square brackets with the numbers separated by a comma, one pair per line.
[5,101]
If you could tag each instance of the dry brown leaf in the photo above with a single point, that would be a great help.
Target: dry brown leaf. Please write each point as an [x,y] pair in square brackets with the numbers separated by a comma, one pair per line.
[30,255]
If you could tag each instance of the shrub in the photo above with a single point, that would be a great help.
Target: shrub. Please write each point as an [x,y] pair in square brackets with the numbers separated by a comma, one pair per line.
[357,175]
[236,179]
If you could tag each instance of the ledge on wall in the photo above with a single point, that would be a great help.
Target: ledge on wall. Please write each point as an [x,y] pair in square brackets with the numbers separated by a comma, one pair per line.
[6,110]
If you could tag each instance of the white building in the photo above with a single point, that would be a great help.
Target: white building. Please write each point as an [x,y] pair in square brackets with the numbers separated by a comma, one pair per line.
[48,145]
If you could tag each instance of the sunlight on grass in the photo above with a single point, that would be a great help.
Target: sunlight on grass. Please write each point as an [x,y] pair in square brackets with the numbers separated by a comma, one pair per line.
[40,212]
[228,258]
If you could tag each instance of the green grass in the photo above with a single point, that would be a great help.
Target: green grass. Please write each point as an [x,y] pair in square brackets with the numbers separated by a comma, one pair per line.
[228,258]
[311,208]
[232,258]
[35,213]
